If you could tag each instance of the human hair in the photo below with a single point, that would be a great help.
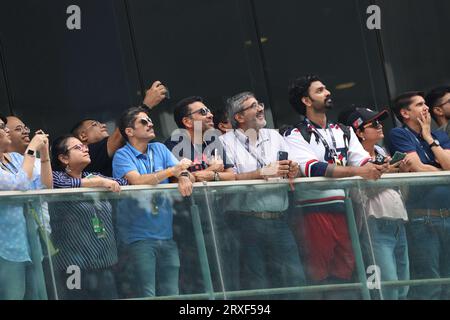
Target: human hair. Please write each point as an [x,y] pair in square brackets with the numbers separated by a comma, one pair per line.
[298,89]
[59,146]
[220,116]
[182,109]
[433,98]
[4,119]
[403,101]
[234,105]
[127,119]
[76,129]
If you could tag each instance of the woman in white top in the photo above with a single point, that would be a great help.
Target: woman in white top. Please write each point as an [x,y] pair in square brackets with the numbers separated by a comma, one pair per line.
[383,236]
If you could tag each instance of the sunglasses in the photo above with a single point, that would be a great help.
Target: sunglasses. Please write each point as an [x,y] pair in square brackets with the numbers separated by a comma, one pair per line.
[203,111]
[145,121]
[376,124]
[79,147]
[252,106]
[93,124]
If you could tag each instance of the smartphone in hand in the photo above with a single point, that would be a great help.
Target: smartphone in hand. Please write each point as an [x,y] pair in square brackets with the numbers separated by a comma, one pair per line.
[398,156]
[282,155]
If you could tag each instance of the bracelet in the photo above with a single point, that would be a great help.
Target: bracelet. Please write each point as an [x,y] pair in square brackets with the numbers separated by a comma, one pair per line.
[46,160]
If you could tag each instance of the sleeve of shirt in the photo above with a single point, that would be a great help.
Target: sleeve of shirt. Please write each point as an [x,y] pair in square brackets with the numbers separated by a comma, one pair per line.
[357,155]
[400,141]
[120,181]
[62,180]
[301,152]
[228,155]
[122,164]
[19,181]
[171,160]
[443,139]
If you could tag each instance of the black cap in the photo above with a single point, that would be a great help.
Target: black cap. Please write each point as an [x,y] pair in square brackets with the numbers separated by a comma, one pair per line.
[363,116]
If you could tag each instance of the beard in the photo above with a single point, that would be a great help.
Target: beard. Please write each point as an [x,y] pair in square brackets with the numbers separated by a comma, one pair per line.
[329,103]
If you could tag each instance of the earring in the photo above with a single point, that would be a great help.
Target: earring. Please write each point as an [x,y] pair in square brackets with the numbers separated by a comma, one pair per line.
[363,139]
[67,169]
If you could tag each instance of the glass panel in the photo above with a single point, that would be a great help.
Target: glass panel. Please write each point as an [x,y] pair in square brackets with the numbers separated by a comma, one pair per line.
[222,250]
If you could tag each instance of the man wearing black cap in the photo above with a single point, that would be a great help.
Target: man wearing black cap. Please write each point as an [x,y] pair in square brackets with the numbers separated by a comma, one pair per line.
[324,149]
[429,209]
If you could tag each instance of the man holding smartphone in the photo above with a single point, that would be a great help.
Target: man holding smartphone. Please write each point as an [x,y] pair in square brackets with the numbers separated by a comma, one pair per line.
[102,146]
[324,149]
[269,254]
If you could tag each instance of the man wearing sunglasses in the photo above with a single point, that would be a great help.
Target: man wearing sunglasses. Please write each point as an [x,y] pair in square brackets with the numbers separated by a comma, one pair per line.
[428,208]
[438,100]
[145,222]
[102,146]
[197,140]
[324,149]
[269,254]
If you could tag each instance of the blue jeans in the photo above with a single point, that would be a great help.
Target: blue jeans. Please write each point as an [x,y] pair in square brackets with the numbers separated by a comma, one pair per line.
[17,281]
[387,240]
[269,254]
[157,266]
[98,284]
[429,242]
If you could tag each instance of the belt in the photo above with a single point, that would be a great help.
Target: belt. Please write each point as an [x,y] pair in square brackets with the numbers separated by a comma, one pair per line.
[441,213]
[264,215]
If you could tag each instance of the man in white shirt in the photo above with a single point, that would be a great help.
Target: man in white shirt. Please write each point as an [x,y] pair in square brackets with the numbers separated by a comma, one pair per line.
[324,149]
[269,254]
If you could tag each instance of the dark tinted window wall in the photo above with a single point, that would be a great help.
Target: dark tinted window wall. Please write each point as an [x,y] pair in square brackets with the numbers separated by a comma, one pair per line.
[415,37]
[327,38]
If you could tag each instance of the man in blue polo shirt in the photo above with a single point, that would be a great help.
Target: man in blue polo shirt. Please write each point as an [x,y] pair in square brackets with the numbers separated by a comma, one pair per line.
[145,221]
[429,210]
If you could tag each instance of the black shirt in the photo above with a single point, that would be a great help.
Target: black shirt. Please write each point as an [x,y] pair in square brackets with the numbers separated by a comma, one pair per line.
[182,147]
[100,160]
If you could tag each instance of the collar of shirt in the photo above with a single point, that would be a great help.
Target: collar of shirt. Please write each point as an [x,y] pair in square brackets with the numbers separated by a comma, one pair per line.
[244,139]
[137,153]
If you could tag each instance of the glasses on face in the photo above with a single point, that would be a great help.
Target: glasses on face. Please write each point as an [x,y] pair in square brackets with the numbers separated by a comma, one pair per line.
[22,129]
[203,111]
[145,121]
[93,124]
[375,124]
[254,105]
[443,104]
[79,147]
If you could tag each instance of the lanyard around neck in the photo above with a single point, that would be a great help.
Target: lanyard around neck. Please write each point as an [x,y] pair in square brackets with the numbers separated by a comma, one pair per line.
[332,151]
[420,145]
[259,161]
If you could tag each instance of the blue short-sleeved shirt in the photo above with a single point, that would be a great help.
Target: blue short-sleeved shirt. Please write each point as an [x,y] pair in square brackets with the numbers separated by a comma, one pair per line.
[407,140]
[137,218]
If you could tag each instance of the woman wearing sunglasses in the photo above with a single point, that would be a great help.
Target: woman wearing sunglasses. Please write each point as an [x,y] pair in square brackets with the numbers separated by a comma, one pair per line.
[83,230]
[383,236]
[20,250]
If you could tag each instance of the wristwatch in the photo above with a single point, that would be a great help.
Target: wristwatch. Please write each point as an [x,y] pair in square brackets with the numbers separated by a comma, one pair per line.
[184,174]
[216,176]
[435,143]
[31,152]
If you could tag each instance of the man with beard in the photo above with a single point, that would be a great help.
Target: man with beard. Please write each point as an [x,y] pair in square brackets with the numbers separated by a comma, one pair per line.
[438,100]
[198,141]
[102,146]
[268,252]
[324,149]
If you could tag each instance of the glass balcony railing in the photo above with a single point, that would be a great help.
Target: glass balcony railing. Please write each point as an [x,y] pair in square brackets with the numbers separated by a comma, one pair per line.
[315,238]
